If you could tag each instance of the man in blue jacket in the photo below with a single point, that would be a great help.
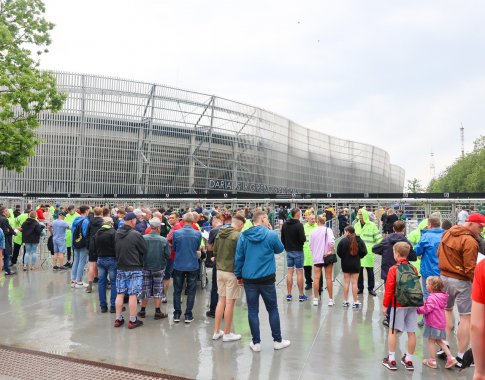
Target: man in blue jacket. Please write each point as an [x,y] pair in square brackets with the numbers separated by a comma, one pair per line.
[255,267]
[186,244]
[427,248]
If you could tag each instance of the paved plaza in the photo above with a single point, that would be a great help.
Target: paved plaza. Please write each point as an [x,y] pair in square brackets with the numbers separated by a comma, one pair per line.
[40,312]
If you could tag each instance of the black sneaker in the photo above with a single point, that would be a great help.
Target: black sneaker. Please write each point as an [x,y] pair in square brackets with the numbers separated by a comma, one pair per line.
[385,322]
[442,354]
[104,309]
[372,293]
[142,313]
[189,319]
[459,362]
[160,315]
[389,364]
[407,364]
[55,267]
[134,325]
[210,314]
[360,291]
[119,322]
[96,280]
[176,318]
[308,287]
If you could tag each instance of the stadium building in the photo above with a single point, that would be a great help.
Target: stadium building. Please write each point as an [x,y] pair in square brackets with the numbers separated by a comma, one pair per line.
[117,136]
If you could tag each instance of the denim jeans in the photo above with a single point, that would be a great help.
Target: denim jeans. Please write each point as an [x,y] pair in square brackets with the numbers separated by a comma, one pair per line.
[178,283]
[268,293]
[106,265]
[214,295]
[6,261]
[79,262]
[30,251]
[423,285]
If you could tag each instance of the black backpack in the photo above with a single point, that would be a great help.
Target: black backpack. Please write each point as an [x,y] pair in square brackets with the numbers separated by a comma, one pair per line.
[78,239]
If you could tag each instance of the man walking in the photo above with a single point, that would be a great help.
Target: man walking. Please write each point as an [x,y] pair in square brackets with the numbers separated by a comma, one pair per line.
[255,267]
[130,247]
[457,258]
[186,244]
[293,238]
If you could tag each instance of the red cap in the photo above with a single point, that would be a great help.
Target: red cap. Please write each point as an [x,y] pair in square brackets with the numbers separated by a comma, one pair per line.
[476,218]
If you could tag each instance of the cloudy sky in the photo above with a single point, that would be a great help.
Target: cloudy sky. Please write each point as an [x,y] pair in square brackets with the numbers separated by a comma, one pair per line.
[402,75]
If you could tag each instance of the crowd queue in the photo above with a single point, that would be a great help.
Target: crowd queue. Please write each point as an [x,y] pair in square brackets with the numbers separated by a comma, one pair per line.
[136,253]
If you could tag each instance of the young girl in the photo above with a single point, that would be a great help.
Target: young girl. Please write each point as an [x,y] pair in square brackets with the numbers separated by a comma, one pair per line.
[435,322]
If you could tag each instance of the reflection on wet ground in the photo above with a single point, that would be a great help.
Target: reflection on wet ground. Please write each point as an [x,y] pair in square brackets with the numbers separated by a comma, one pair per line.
[39,311]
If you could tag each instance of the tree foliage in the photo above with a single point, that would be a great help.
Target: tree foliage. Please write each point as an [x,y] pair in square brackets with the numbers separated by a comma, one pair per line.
[25,91]
[467,174]
[414,186]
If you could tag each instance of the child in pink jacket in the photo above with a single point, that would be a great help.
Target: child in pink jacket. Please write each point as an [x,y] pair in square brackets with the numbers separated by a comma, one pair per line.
[435,321]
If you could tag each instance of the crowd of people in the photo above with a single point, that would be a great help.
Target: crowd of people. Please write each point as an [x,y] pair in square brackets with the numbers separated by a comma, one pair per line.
[136,252]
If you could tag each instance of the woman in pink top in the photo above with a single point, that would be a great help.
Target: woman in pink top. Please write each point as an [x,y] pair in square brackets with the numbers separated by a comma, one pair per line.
[435,321]
[322,242]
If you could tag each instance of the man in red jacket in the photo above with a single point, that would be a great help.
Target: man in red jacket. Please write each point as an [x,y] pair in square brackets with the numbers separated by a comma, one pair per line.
[403,319]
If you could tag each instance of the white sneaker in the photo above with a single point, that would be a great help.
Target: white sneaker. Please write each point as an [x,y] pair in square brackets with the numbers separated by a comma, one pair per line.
[330,302]
[231,337]
[282,344]
[315,302]
[73,284]
[80,285]
[255,347]
[218,335]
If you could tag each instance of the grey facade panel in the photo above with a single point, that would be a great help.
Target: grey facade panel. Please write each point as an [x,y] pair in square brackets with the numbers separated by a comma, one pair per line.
[117,136]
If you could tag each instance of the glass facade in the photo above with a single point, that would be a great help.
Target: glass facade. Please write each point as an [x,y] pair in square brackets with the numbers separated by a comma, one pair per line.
[117,136]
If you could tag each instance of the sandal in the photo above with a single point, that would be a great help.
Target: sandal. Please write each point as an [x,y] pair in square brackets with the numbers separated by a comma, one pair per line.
[431,363]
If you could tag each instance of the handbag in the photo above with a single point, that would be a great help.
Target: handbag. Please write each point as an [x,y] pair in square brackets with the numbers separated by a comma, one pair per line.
[329,259]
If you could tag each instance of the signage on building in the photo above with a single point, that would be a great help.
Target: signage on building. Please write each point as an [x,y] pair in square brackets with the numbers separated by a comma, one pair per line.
[228,185]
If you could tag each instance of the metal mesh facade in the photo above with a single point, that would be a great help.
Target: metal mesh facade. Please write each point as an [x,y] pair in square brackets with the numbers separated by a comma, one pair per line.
[117,136]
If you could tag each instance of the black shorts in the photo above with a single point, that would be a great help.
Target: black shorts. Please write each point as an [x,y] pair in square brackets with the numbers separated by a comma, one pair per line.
[319,265]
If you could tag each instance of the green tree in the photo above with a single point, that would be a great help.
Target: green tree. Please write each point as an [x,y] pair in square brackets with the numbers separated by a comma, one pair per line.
[467,174]
[25,91]
[414,186]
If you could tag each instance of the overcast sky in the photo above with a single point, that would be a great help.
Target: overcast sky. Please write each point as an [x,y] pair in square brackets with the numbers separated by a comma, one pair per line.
[402,75]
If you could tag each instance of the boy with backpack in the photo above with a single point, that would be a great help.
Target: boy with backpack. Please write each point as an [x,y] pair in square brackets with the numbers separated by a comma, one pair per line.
[404,293]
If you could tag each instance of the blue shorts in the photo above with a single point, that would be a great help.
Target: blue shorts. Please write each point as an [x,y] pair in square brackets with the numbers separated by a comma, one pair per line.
[129,283]
[295,259]
[60,246]
[168,270]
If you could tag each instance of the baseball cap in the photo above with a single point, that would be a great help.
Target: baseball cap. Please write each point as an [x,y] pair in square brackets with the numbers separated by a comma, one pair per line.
[130,216]
[476,218]
[155,222]
[63,213]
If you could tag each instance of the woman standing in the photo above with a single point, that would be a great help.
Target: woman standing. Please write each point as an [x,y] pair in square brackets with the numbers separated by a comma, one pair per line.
[350,250]
[322,242]
[31,233]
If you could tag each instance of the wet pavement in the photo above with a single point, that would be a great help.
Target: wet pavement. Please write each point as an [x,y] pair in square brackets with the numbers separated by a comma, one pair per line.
[39,311]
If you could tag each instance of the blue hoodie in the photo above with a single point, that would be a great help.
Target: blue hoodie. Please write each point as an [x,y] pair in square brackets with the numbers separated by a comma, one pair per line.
[427,248]
[2,239]
[255,252]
